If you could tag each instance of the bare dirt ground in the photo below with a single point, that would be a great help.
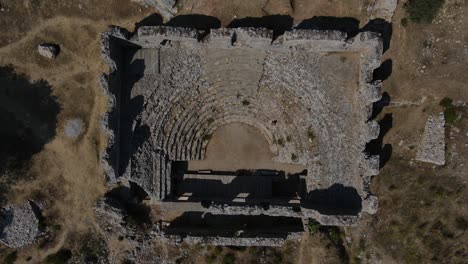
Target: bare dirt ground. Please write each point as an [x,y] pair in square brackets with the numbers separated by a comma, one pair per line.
[422,216]
[239,146]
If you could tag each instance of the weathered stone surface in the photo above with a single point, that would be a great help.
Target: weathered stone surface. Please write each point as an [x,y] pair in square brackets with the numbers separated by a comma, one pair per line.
[432,146]
[48,50]
[18,225]
[382,9]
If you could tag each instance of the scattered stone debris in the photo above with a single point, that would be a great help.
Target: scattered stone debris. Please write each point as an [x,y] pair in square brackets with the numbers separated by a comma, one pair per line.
[164,7]
[49,50]
[432,147]
[382,9]
[19,226]
[73,128]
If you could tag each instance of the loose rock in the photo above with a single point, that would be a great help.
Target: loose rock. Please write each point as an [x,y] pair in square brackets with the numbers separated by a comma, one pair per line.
[432,147]
[19,226]
[48,50]
[73,128]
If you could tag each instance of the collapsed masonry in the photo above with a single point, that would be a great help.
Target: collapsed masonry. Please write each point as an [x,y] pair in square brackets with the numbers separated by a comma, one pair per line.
[310,93]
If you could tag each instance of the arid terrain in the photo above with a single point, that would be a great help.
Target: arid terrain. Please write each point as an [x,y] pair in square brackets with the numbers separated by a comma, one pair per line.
[423,212]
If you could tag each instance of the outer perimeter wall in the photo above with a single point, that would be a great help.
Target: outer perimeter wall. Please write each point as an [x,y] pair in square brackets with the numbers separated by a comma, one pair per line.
[310,93]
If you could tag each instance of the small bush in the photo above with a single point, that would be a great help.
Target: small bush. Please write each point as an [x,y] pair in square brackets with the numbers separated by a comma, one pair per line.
[313,226]
[11,258]
[280,142]
[245,102]
[61,257]
[404,22]
[450,111]
[288,138]
[451,115]
[446,102]
[422,11]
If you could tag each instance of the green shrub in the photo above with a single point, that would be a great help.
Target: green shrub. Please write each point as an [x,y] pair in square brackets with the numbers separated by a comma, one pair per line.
[313,226]
[451,115]
[245,102]
[11,258]
[422,11]
[446,102]
[61,257]
[450,111]
[404,22]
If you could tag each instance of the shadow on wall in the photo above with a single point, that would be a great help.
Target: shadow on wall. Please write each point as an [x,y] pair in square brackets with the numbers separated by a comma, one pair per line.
[28,116]
[133,133]
[206,224]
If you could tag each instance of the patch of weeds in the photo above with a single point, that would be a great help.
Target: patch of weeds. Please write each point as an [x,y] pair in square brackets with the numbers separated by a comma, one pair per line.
[61,257]
[229,259]
[343,58]
[245,102]
[313,226]
[288,138]
[422,11]
[404,22]
[293,156]
[11,258]
[210,120]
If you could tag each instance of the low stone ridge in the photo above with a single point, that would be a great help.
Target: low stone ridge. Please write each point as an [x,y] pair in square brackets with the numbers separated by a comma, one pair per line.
[48,50]
[19,226]
[432,146]
[309,93]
